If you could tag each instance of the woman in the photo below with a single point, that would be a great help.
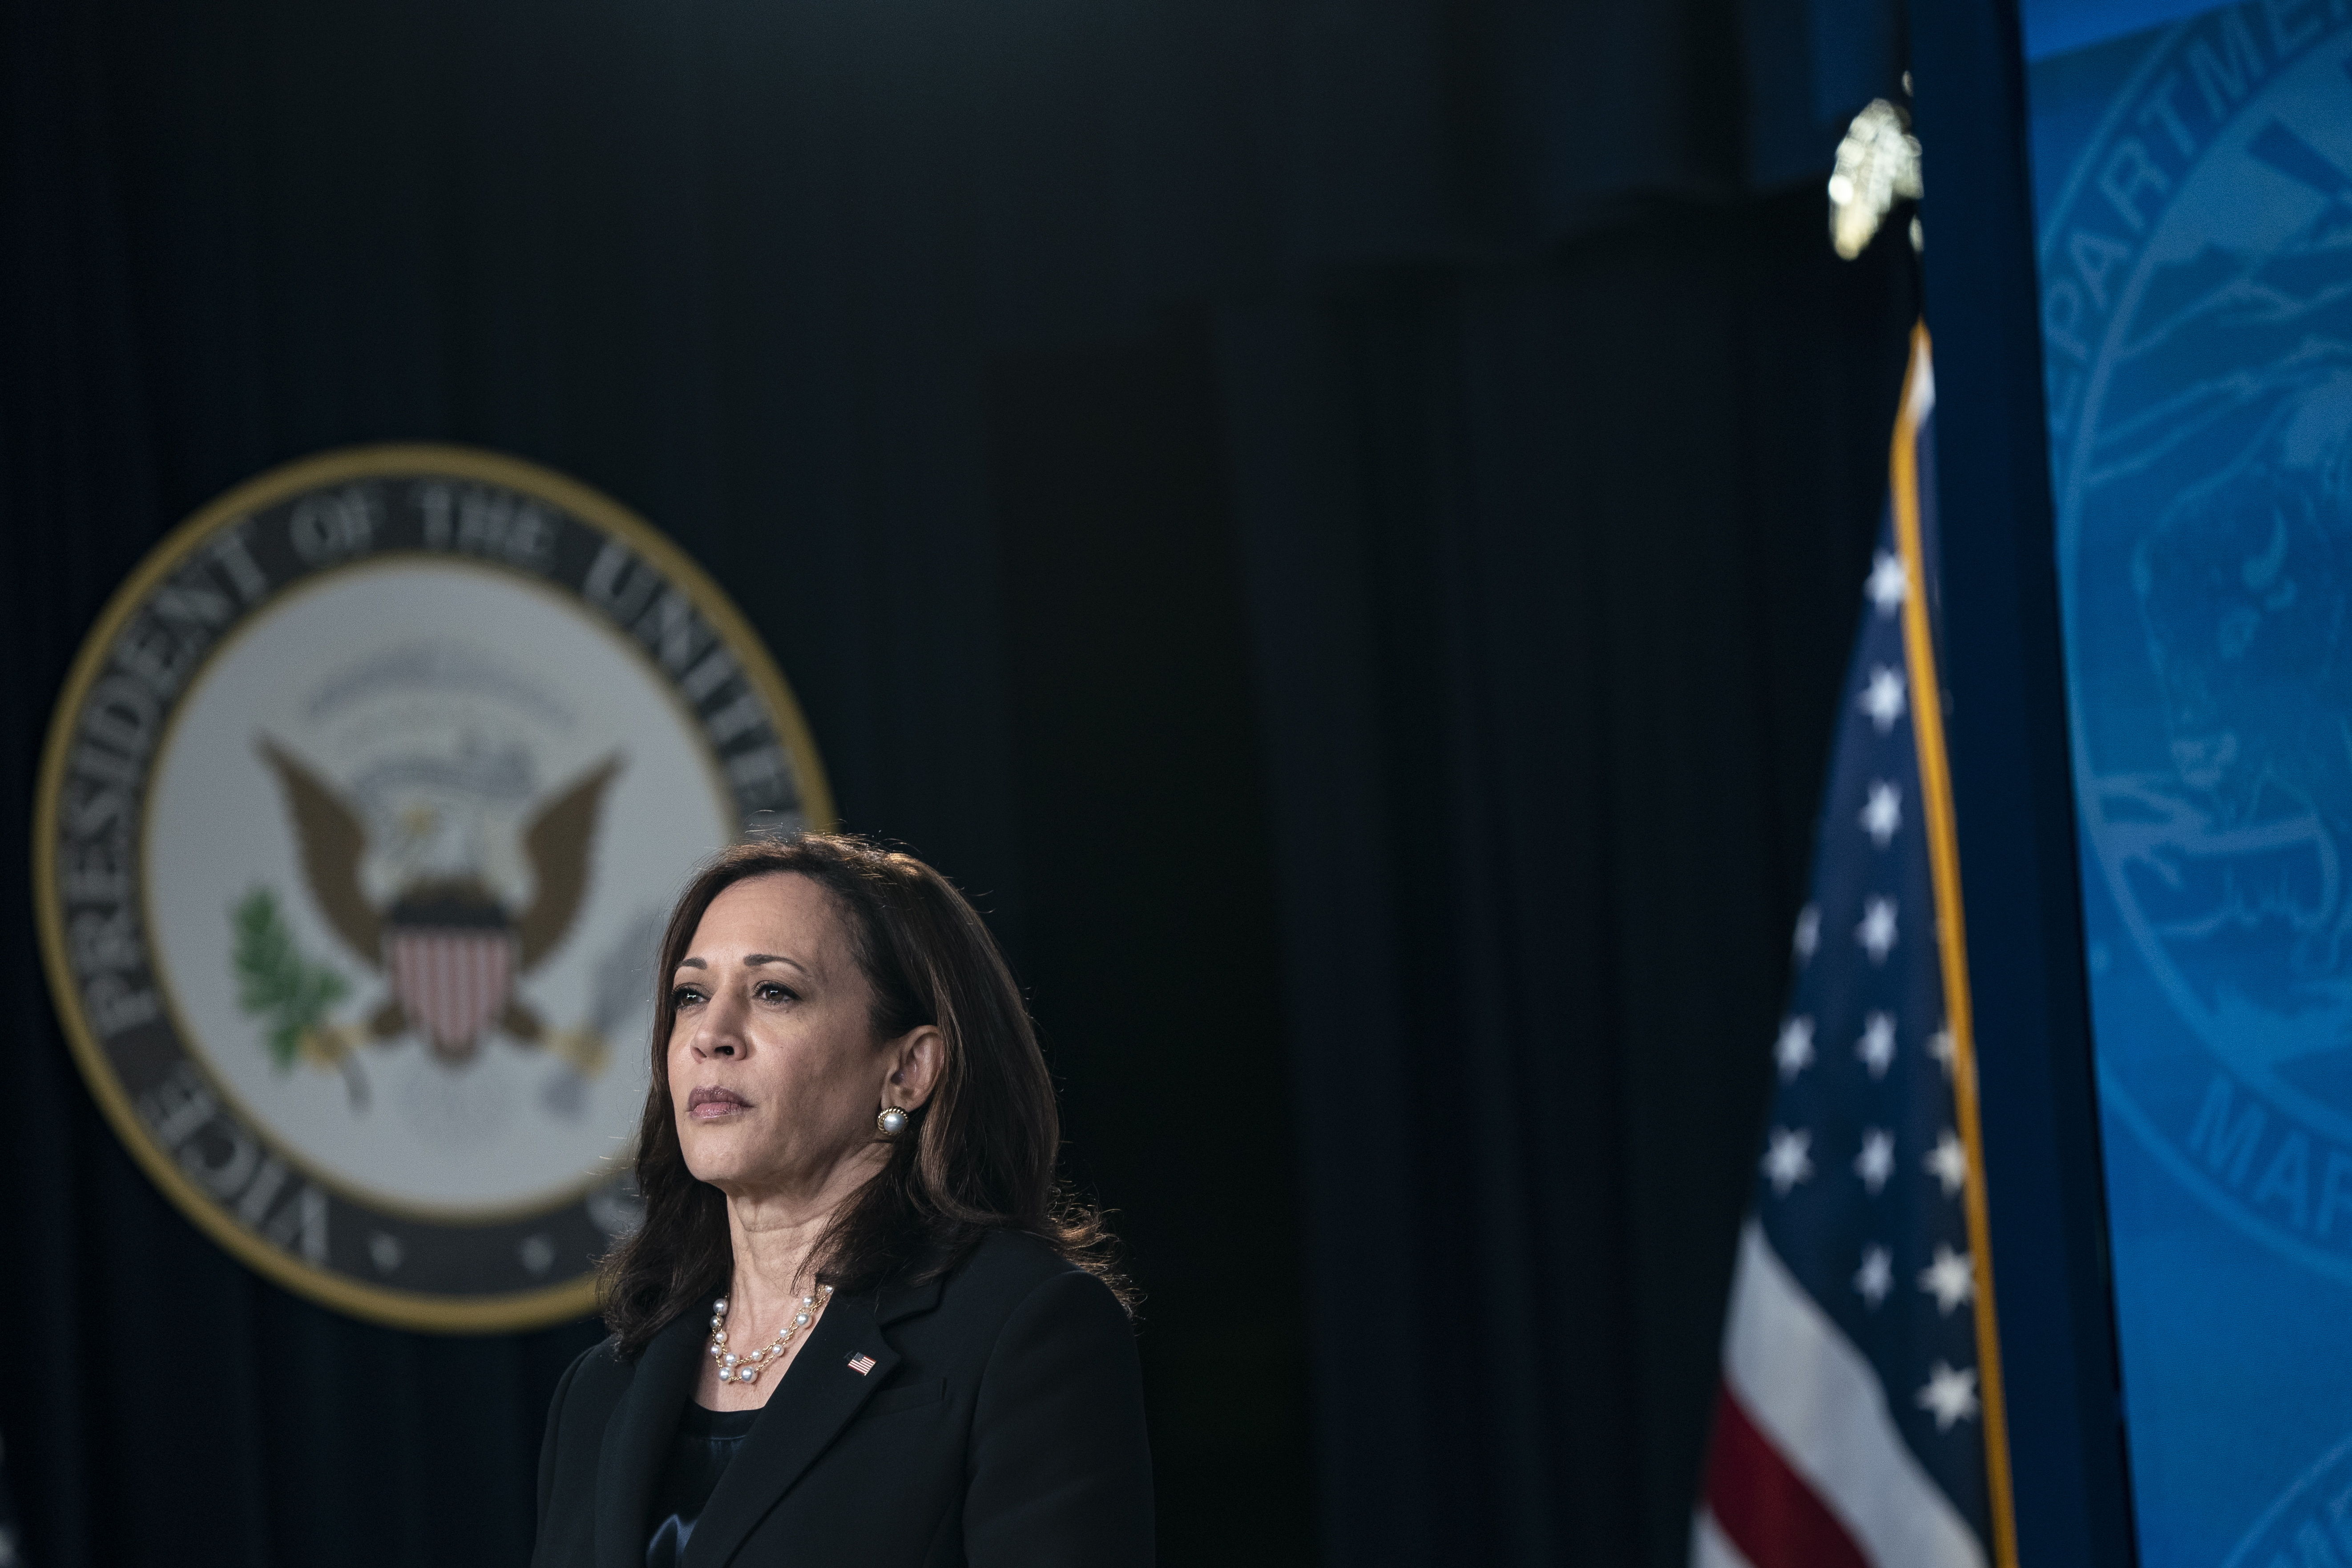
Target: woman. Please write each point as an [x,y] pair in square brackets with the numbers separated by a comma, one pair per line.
[856,1326]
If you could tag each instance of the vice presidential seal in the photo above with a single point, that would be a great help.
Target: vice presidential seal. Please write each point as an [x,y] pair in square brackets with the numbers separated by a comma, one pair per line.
[357,820]
[2197,277]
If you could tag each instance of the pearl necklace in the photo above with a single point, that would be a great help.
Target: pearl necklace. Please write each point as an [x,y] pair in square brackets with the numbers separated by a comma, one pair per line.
[747,1368]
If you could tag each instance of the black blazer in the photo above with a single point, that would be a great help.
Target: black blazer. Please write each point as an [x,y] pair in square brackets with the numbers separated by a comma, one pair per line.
[1001,1426]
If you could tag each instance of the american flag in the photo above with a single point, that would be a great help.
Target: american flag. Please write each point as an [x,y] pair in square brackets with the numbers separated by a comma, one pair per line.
[1858,1419]
[861,1364]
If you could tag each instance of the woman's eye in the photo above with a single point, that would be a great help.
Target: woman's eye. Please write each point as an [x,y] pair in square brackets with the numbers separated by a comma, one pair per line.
[771,992]
[683,995]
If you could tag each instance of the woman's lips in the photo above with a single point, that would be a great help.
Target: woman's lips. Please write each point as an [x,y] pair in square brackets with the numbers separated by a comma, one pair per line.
[709,1103]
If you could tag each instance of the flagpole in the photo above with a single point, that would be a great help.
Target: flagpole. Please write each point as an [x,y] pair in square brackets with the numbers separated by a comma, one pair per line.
[1943,854]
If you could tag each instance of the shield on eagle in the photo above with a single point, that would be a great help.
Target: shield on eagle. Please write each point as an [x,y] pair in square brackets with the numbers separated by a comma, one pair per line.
[452,961]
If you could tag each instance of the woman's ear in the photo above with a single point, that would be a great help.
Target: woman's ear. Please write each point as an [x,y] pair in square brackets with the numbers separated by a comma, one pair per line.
[915,1059]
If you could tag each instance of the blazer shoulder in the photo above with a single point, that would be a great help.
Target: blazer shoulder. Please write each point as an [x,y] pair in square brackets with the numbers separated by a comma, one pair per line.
[596,1377]
[1013,1260]
[1007,1267]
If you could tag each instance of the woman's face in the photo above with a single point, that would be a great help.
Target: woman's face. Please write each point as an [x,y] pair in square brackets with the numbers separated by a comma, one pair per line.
[775,1074]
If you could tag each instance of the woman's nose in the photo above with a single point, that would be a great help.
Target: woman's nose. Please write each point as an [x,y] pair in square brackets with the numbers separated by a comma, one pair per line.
[721,1034]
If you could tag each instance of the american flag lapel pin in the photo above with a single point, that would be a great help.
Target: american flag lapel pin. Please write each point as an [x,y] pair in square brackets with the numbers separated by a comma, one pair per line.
[861,1364]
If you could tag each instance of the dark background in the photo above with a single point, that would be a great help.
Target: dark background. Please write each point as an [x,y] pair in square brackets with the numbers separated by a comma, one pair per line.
[1340,523]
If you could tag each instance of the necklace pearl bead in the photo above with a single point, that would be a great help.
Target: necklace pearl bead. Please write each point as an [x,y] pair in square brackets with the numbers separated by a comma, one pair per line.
[737,1368]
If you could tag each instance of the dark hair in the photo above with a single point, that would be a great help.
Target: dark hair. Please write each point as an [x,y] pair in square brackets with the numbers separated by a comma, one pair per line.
[980,1154]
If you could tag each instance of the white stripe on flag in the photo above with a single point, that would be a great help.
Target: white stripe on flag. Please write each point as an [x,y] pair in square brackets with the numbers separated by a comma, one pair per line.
[1710,1547]
[1812,1394]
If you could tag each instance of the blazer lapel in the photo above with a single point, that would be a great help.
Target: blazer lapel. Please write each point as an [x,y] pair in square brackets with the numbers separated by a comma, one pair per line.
[821,1391]
[636,1440]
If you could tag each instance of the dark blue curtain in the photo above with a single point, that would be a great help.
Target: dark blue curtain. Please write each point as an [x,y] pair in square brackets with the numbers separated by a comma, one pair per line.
[1548,567]
[1339,520]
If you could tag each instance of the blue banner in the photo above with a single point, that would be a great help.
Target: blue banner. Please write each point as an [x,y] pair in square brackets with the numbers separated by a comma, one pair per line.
[2194,189]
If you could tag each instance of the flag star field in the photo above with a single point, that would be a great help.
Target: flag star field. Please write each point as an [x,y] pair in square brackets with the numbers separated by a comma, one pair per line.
[1852,1330]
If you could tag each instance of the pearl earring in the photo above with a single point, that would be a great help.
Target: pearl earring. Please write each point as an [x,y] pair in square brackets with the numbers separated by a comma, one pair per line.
[891,1122]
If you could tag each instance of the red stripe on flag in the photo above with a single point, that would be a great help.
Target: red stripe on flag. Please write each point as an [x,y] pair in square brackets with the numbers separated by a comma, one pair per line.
[1766,1508]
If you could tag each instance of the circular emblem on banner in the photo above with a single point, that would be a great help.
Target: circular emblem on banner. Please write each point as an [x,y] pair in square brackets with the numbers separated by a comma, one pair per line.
[2199,333]
[359,819]
[2307,1522]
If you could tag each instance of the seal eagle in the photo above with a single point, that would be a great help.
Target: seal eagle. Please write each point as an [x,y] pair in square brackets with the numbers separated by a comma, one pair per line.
[451,946]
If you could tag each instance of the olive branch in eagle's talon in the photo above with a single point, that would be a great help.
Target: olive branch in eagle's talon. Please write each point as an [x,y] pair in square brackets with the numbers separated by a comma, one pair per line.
[291,994]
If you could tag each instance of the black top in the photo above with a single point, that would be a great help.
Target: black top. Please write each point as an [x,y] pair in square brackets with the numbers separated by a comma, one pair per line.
[991,1419]
[705,1440]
